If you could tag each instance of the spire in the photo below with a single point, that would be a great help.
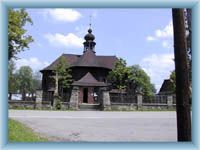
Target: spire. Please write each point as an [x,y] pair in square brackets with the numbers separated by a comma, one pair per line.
[89,43]
[90,21]
[89,36]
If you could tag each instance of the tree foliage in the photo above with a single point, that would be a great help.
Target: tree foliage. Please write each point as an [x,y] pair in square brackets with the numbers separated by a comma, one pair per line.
[173,78]
[130,78]
[12,79]
[36,81]
[25,79]
[141,81]
[63,78]
[64,73]
[119,75]
[17,38]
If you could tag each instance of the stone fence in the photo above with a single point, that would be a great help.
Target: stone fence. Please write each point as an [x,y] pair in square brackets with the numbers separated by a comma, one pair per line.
[138,102]
[16,104]
[19,104]
[38,103]
[144,106]
[107,102]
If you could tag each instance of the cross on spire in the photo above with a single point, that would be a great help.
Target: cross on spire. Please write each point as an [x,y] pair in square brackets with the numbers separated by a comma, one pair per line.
[90,21]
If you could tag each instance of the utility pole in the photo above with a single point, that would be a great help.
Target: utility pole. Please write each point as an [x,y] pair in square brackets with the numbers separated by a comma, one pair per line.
[182,78]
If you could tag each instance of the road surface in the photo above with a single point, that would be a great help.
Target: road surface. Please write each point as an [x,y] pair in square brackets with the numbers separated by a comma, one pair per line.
[100,126]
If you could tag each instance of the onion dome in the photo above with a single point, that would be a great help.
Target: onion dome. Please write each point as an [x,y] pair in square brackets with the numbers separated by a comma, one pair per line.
[89,36]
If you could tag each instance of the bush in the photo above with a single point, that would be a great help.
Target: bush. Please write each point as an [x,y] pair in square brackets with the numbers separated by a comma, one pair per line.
[58,104]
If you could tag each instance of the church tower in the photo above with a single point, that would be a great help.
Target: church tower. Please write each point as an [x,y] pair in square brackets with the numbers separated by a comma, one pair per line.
[89,44]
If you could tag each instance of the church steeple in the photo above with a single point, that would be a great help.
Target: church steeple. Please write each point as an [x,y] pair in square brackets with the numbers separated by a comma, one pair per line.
[89,43]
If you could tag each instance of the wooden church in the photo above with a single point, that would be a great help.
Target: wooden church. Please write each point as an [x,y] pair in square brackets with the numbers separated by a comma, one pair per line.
[89,73]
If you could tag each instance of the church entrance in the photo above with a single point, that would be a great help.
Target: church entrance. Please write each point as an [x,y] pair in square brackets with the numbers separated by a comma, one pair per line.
[85,95]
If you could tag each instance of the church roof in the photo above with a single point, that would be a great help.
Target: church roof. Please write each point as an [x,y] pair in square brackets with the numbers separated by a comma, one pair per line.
[88,59]
[88,80]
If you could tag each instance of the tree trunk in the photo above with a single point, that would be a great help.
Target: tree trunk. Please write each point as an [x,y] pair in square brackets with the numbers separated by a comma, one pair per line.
[10,96]
[62,93]
[121,96]
[23,95]
[182,80]
[32,98]
[56,85]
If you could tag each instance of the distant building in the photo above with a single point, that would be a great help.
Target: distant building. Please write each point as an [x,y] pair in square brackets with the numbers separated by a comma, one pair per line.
[89,73]
[167,87]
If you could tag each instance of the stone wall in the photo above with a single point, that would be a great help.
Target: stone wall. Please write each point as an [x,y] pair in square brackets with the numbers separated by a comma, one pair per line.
[154,106]
[65,105]
[16,104]
[143,107]
[140,105]
[105,103]
[124,107]
[114,106]
[46,105]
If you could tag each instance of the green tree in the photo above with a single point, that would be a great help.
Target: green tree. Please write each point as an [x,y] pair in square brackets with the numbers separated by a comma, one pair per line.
[36,82]
[17,38]
[63,76]
[173,78]
[140,80]
[122,77]
[12,79]
[119,75]
[25,79]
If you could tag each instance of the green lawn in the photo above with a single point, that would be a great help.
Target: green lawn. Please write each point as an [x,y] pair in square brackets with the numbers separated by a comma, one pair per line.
[20,133]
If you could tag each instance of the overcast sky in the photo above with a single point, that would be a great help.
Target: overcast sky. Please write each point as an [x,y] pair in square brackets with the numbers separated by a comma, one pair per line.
[140,36]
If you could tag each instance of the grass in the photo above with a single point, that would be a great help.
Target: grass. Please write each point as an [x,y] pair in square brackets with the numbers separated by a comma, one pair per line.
[20,133]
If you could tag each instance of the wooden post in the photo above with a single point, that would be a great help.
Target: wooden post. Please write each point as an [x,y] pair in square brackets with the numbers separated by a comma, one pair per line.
[182,79]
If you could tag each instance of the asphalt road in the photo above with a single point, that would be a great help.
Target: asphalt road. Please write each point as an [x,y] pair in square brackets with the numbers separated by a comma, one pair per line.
[99,126]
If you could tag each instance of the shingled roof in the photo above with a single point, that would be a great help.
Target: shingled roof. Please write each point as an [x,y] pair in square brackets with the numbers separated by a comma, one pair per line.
[167,87]
[88,59]
[88,80]
[70,58]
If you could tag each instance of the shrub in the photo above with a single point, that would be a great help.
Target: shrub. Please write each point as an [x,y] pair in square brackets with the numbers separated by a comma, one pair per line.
[58,104]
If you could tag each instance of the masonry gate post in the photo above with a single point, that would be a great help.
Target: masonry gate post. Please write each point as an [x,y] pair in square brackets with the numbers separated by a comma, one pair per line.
[106,105]
[169,101]
[38,99]
[74,98]
[139,100]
